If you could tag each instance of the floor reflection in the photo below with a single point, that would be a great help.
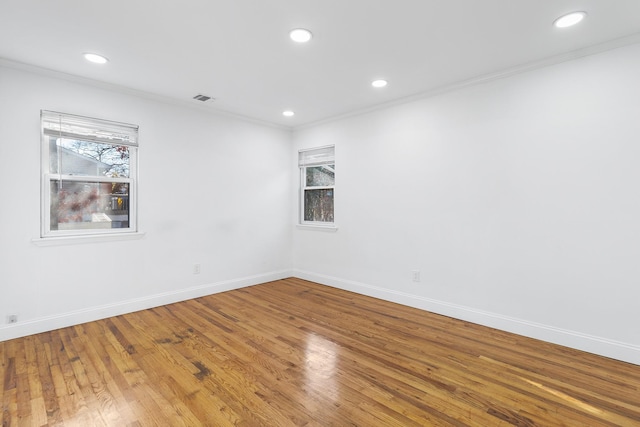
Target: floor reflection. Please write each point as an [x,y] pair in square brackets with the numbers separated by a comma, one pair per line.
[321,357]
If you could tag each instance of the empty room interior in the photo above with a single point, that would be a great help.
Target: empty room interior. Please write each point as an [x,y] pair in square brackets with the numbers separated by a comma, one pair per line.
[320,213]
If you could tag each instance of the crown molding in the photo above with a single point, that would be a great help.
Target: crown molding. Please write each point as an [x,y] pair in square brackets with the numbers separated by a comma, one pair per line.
[485,78]
[208,108]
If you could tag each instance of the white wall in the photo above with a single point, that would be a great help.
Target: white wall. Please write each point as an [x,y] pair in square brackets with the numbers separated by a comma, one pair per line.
[213,190]
[516,199]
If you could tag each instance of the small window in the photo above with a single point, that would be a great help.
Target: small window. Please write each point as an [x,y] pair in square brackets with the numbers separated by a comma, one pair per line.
[88,175]
[318,175]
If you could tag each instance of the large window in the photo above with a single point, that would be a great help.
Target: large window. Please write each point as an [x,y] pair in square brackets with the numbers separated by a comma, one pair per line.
[317,175]
[88,175]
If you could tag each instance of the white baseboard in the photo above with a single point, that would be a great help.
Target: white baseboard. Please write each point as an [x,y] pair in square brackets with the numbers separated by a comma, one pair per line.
[90,314]
[597,345]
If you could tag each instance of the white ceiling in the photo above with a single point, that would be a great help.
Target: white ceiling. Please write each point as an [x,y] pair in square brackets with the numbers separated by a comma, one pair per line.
[238,51]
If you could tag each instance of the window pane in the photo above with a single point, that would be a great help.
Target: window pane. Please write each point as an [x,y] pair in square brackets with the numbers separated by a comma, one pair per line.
[321,176]
[86,158]
[86,205]
[318,205]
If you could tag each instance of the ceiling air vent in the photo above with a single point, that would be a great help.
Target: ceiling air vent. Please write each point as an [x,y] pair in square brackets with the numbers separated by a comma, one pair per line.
[203,98]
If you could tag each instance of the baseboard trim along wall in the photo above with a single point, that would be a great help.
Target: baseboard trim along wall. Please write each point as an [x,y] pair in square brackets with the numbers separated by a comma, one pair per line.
[592,344]
[91,314]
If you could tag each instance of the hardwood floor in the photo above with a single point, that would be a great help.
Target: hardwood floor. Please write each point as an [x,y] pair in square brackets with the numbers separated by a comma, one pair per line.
[295,353]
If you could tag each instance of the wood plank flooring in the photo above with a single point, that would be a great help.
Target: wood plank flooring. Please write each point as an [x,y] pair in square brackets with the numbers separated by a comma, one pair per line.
[295,353]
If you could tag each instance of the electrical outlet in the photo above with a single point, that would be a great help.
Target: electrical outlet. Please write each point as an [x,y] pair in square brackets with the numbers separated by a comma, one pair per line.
[196,268]
[415,275]
[12,318]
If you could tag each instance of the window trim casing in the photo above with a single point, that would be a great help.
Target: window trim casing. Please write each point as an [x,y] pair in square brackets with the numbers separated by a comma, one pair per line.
[302,223]
[47,177]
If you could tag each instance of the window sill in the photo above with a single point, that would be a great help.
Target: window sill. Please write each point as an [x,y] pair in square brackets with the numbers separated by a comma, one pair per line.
[95,238]
[325,228]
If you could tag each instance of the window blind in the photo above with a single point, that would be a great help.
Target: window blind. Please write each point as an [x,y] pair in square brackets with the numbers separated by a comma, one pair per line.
[316,156]
[88,129]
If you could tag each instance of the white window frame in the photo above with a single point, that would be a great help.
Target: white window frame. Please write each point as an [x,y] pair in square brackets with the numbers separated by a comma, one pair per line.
[314,157]
[62,125]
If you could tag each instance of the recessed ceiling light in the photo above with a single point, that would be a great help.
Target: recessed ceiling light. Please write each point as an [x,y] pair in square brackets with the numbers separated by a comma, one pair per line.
[95,58]
[288,113]
[300,35]
[569,19]
[379,83]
